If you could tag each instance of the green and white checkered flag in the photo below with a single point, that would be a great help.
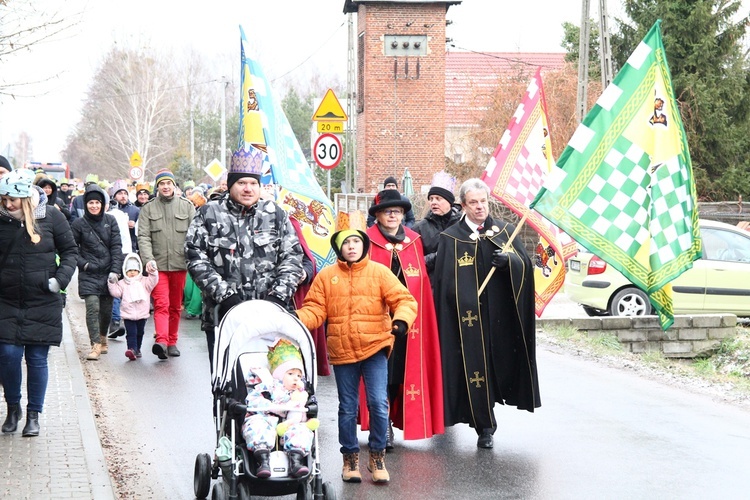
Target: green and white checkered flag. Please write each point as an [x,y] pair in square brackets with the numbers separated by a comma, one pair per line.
[623,187]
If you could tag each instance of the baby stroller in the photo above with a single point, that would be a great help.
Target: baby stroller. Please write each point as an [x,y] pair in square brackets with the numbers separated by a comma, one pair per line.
[242,342]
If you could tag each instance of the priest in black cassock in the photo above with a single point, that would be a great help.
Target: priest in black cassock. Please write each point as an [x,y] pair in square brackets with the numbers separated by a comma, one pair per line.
[487,342]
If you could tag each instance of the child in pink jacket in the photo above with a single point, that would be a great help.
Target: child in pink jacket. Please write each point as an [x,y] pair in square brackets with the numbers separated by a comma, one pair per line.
[134,290]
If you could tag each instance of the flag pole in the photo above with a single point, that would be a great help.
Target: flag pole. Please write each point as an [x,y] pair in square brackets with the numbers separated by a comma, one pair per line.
[505,248]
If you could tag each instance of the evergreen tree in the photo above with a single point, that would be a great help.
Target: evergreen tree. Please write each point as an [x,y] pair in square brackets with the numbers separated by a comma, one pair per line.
[703,40]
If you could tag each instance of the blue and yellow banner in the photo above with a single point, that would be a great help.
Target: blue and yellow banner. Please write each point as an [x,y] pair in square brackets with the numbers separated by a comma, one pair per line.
[264,125]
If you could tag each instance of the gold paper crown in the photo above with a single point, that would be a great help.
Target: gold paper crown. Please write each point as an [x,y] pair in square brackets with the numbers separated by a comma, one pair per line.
[351,220]
[411,271]
[466,260]
[283,351]
[142,185]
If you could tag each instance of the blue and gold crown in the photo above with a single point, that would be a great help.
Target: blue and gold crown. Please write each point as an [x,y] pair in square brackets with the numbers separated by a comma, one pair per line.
[247,160]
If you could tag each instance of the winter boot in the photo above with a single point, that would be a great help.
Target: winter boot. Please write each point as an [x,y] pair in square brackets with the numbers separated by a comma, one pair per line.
[31,428]
[377,467]
[350,472]
[116,330]
[96,350]
[263,462]
[160,350]
[14,415]
[297,463]
[104,349]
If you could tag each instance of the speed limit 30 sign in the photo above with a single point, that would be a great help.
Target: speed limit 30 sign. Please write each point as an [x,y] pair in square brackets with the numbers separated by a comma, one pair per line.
[327,151]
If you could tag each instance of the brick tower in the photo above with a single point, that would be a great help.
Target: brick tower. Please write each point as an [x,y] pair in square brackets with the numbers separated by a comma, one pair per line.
[400,93]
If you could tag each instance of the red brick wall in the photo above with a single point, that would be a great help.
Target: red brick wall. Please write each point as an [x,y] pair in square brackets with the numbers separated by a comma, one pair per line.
[402,123]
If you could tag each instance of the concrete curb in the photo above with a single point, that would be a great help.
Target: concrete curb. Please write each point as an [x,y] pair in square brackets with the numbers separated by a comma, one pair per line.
[101,485]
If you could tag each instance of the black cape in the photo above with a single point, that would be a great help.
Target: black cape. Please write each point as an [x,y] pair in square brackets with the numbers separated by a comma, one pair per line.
[488,344]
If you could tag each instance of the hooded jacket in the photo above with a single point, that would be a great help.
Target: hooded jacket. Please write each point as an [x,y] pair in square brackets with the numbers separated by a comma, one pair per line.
[99,247]
[357,300]
[54,198]
[29,312]
[135,292]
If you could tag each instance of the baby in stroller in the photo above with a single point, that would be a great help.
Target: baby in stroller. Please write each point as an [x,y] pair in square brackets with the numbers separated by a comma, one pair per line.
[282,383]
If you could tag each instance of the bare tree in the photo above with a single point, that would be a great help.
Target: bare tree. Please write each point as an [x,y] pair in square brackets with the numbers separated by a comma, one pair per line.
[560,88]
[25,24]
[133,104]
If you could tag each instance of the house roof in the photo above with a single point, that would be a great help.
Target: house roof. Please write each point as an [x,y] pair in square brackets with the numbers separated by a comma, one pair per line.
[470,78]
[351,6]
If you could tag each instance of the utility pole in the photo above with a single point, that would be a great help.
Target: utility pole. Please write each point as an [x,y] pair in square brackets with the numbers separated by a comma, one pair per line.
[225,83]
[605,44]
[605,53]
[351,140]
[583,61]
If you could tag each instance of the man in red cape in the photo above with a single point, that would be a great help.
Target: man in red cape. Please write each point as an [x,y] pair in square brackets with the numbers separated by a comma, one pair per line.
[415,382]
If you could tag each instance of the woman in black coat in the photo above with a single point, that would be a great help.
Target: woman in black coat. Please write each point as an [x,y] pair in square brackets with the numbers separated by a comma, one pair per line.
[99,259]
[33,236]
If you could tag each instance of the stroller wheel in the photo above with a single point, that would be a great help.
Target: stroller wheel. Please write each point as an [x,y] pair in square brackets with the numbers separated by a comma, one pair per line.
[219,491]
[329,492]
[304,491]
[202,475]
[243,490]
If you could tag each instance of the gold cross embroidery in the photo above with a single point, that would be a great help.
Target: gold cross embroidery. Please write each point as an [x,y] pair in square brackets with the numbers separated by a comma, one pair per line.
[412,392]
[469,318]
[477,379]
[414,332]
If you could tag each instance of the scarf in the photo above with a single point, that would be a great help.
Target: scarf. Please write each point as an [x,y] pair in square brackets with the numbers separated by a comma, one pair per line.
[137,290]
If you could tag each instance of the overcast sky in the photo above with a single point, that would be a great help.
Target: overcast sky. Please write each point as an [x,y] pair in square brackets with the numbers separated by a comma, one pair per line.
[290,37]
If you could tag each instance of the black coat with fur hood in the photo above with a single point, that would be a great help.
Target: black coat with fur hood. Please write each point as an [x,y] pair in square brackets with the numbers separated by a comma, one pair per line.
[29,312]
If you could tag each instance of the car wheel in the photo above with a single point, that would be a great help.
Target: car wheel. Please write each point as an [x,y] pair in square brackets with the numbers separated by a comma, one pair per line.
[630,302]
[590,311]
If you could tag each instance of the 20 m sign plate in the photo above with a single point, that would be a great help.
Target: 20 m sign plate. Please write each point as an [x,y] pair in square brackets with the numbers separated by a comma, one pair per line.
[327,151]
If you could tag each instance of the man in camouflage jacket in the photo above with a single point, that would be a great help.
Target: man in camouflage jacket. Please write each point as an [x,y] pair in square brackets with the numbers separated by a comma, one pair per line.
[240,247]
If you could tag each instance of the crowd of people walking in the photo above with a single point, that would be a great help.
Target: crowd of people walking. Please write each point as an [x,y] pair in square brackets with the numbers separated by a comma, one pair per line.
[416,339]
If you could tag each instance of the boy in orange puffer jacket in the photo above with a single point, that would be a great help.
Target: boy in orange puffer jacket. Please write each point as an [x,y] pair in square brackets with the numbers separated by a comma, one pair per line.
[365,305]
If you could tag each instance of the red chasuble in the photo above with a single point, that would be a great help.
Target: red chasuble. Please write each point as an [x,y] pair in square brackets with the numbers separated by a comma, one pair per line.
[418,410]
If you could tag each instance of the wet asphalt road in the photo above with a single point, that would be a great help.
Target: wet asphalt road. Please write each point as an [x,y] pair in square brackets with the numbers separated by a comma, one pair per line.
[600,433]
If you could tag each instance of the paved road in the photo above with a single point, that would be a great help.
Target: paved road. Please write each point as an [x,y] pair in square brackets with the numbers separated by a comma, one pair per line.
[601,432]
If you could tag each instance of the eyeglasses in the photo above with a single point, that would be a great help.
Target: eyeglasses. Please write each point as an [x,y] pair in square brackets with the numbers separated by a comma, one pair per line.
[393,212]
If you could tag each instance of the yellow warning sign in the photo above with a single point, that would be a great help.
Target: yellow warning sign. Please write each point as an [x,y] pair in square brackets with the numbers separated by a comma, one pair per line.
[135,159]
[331,127]
[330,109]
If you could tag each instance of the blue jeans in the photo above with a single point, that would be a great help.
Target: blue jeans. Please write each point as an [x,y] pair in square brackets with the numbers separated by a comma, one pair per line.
[116,310]
[134,330]
[36,373]
[374,371]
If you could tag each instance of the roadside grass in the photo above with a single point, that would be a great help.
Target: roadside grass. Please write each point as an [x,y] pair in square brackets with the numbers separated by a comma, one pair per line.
[600,344]
[729,365]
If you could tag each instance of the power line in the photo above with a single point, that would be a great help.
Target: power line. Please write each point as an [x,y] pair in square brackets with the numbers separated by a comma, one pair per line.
[312,54]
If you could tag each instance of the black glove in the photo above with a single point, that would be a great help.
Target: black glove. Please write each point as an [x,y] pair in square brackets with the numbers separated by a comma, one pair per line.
[499,259]
[276,300]
[227,304]
[399,328]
